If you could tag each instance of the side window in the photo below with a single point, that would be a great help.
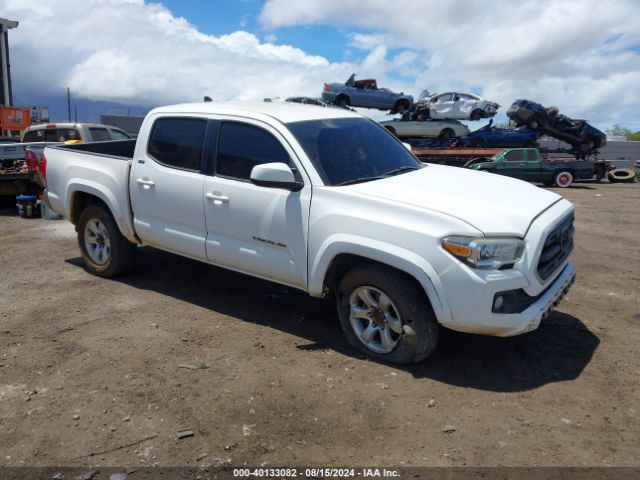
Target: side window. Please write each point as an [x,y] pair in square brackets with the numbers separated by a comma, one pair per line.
[531,156]
[241,147]
[119,135]
[178,142]
[515,156]
[447,97]
[99,134]
[34,136]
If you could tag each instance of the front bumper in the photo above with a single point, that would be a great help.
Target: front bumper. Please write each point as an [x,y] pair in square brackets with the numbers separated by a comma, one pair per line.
[477,317]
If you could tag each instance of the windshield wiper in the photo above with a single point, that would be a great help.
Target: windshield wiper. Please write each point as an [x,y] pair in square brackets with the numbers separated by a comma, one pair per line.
[358,180]
[390,173]
[396,171]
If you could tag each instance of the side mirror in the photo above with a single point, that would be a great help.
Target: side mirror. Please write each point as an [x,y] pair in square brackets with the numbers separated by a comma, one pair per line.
[407,146]
[275,175]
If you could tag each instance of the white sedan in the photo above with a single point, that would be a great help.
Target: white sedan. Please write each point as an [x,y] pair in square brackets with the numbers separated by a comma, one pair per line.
[454,105]
[426,128]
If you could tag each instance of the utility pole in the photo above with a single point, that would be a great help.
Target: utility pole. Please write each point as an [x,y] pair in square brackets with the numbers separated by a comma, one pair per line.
[6,96]
[75,111]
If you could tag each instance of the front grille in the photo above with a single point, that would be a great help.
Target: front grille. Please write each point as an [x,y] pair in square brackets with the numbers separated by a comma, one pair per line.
[557,247]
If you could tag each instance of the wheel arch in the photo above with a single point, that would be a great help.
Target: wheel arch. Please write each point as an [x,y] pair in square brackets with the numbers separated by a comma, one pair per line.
[336,256]
[343,96]
[83,194]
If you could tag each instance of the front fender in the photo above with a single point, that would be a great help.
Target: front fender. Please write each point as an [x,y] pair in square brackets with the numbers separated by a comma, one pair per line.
[382,252]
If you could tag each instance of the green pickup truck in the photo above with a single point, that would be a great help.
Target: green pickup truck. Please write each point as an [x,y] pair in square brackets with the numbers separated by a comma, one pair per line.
[527,164]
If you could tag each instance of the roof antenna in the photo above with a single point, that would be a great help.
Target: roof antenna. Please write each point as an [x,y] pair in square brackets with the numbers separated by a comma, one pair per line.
[207,98]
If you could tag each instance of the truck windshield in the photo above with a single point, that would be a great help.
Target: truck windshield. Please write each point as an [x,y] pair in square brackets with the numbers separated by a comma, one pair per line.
[352,150]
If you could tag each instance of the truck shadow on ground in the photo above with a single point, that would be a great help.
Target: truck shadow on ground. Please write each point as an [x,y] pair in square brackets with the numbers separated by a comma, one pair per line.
[558,351]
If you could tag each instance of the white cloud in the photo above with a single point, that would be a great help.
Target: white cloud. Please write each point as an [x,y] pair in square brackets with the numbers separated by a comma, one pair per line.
[582,56]
[129,50]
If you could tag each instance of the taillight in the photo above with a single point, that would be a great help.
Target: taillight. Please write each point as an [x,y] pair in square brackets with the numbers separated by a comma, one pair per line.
[32,161]
[326,88]
[43,168]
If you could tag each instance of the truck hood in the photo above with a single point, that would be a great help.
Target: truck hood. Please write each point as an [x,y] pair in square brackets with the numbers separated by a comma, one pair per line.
[491,203]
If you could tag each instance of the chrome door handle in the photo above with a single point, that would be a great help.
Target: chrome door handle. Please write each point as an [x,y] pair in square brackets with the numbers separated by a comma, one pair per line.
[218,197]
[146,183]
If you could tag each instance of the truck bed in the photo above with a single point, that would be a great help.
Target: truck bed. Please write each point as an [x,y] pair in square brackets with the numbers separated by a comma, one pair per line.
[100,169]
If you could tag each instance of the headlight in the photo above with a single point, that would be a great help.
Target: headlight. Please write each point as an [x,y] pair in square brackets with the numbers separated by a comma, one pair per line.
[489,253]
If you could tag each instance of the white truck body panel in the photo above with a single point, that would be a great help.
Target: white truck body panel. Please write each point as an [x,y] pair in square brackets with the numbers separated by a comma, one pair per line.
[292,237]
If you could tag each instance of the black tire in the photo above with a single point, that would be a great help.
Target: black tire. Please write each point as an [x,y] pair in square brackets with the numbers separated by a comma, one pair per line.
[535,122]
[343,101]
[563,179]
[409,303]
[392,130]
[478,143]
[476,114]
[446,134]
[121,251]
[401,106]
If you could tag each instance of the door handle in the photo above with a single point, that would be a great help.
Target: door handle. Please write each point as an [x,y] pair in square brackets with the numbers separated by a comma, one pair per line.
[146,183]
[217,197]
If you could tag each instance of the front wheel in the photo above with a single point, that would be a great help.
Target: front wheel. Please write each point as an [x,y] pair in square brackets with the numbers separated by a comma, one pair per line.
[386,315]
[105,251]
[563,179]
[400,107]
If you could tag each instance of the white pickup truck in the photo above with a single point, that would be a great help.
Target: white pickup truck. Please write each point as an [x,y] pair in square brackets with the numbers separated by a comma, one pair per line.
[326,201]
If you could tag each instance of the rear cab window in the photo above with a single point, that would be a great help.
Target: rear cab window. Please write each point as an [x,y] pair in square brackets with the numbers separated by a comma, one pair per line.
[119,135]
[99,134]
[178,142]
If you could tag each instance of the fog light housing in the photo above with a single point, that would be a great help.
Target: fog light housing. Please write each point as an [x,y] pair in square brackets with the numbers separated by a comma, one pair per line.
[498,302]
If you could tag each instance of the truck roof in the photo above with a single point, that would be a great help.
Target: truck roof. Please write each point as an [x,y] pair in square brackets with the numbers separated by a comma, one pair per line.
[284,112]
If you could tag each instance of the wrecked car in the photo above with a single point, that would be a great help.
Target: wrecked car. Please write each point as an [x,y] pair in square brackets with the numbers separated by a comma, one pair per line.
[365,93]
[582,136]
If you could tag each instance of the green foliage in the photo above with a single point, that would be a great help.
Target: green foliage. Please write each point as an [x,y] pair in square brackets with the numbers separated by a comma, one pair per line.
[619,131]
[633,136]
[506,125]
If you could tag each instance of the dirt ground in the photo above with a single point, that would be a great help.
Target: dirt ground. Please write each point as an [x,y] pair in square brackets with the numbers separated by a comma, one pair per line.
[89,365]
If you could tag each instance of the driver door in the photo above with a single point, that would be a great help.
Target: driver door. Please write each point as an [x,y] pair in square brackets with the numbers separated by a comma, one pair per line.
[255,229]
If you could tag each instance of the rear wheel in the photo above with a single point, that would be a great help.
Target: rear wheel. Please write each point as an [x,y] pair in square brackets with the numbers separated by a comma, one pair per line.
[401,106]
[478,143]
[343,102]
[105,251]
[535,122]
[392,130]
[386,315]
[563,179]
[476,115]
[446,134]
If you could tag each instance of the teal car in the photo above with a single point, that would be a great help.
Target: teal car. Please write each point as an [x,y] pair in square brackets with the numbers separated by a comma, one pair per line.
[528,164]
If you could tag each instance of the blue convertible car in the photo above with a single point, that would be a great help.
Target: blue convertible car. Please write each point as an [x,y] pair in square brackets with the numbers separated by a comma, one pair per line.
[365,93]
[490,136]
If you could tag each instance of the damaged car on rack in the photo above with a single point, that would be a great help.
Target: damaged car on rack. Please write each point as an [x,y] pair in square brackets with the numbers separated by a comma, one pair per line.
[365,93]
[582,136]
[453,105]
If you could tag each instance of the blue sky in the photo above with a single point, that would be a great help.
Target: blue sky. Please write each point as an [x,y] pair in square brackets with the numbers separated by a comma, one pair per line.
[229,16]
[119,54]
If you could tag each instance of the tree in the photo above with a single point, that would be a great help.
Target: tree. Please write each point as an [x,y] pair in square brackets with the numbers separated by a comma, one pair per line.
[618,131]
[634,136]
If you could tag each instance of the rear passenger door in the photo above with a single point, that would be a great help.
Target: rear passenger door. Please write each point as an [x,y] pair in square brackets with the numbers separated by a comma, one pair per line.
[255,229]
[166,185]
